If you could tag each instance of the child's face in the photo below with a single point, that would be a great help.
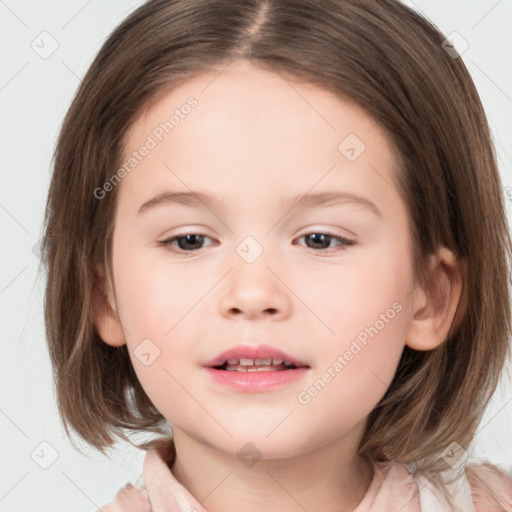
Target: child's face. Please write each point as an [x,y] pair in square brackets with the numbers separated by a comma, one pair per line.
[253,142]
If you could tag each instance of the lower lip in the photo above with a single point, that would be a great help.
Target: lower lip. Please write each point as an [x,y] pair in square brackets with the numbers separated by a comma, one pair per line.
[256,381]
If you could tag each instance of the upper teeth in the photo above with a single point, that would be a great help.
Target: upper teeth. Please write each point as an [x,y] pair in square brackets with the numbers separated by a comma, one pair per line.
[264,362]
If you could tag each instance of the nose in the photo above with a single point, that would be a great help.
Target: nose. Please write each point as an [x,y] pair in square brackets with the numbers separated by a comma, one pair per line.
[254,290]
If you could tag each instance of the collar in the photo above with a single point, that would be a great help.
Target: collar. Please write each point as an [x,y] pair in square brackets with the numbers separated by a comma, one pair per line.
[163,489]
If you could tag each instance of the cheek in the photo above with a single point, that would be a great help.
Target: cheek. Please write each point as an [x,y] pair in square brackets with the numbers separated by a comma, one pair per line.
[354,372]
[154,297]
[156,307]
[352,295]
[168,389]
[366,308]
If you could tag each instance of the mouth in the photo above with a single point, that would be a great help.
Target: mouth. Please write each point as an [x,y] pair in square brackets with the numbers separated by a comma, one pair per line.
[246,358]
[249,369]
[255,365]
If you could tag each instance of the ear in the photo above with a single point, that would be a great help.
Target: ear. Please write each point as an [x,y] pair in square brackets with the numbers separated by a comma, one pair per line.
[438,305]
[106,320]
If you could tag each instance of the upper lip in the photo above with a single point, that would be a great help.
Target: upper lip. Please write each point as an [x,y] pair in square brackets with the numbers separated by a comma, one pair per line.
[252,352]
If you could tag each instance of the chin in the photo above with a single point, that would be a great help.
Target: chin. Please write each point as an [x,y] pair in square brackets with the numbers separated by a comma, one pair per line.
[259,444]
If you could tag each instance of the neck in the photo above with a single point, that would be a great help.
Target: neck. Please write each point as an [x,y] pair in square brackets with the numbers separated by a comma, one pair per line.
[330,478]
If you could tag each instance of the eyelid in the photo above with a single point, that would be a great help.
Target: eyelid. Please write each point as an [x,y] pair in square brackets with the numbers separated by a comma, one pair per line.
[344,242]
[331,232]
[191,230]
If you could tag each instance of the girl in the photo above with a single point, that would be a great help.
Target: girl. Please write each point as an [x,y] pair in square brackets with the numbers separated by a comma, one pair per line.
[279,227]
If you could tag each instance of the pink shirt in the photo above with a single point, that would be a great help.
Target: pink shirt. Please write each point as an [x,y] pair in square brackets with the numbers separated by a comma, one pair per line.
[481,488]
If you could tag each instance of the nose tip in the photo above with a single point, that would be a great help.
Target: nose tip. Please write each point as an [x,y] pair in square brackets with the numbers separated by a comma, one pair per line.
[253,297]
[252,288]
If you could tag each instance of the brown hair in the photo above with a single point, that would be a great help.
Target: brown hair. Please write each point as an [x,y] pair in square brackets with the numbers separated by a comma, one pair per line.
[387,59]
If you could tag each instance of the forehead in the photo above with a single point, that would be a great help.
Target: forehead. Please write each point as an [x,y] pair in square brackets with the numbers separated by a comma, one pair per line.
[250,125]
[226,95]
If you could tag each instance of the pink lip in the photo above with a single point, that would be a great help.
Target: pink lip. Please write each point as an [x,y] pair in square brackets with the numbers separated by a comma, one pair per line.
[257,380]
[250,352]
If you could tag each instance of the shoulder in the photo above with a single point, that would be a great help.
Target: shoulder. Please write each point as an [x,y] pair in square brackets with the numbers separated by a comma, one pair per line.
[491,488]
[128,499]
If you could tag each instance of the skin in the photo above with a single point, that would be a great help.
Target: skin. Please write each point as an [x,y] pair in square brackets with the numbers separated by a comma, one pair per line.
[253,140]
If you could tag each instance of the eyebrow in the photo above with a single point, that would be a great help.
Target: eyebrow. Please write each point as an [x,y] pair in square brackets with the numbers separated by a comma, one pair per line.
[199,199]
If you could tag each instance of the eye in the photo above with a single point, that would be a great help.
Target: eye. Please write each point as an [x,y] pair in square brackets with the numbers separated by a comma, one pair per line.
[184,241]
[320,240]
[190,242]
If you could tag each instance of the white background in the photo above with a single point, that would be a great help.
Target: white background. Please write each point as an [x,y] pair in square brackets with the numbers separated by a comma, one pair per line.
[34,96]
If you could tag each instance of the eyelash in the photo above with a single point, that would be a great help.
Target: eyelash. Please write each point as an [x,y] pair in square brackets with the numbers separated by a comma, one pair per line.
[344,242]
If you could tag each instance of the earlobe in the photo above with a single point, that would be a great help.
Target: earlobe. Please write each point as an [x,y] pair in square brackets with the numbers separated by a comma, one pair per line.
[106,320]
[437,304]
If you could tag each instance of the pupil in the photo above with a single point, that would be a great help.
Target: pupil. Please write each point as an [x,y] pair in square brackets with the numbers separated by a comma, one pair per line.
[187,242]
[319,235]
